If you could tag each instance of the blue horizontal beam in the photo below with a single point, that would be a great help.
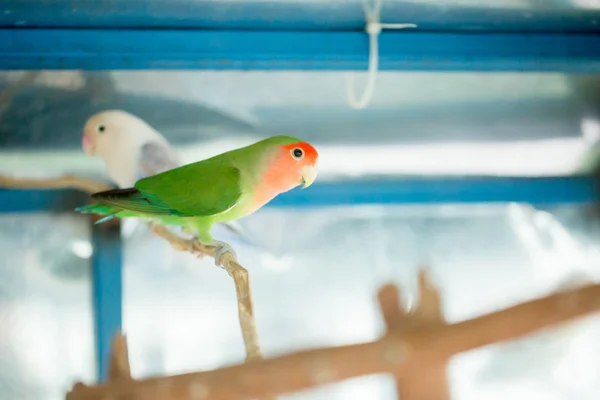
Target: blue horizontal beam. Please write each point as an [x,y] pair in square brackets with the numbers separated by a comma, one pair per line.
[557,15]
[109,49]
[34,200]
[536,191]
[542,191]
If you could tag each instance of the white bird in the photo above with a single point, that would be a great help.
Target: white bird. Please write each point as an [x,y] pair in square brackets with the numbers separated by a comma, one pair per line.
[131,150]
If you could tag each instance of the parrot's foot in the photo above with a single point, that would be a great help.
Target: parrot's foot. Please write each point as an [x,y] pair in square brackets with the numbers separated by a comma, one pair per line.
[191,247]
[221,249]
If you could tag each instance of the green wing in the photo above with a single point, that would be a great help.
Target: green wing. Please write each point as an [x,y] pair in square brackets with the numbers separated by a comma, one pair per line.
[201,189]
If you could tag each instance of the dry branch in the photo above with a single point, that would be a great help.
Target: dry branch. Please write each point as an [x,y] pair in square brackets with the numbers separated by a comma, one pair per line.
[63,182]
[399,351]
[426,315]
[230,264]
[119,368]
[240,278]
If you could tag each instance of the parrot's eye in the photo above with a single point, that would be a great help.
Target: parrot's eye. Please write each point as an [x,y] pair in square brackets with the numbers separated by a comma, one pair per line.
[297,153]
[101,128]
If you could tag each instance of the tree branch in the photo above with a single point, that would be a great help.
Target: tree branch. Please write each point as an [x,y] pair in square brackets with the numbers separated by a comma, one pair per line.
[241,280]
[399,352]
[119,368]
[64,182]
[427,314]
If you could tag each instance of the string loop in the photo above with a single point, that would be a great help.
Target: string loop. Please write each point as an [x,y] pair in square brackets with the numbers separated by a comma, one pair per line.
[373,29]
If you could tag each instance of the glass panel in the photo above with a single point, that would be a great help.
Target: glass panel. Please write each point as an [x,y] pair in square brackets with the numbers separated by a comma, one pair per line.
[47,335]
[314,282]
[417,123]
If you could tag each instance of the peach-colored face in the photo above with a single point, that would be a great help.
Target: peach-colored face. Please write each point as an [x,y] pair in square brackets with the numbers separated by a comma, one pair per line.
[303,158]
[293,164]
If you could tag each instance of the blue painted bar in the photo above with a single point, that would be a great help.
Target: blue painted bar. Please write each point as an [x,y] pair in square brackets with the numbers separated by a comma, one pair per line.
[546,190]
[34,200]
[126,49]
[107,262]
[535,191]
[555,15]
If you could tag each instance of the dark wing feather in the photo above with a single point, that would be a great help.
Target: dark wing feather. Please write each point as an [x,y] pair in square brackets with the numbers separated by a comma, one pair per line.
[133,200]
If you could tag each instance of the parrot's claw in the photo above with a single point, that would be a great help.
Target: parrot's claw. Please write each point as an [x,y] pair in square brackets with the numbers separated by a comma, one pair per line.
[221,249]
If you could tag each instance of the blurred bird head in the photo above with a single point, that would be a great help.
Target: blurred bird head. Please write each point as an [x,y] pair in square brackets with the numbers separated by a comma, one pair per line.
[109,130]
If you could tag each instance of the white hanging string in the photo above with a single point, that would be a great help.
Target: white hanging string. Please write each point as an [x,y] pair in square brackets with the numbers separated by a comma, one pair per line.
[373,29]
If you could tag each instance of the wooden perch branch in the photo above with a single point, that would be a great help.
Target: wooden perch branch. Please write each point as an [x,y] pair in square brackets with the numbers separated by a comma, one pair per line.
[63,182]
[119,368]
[419,339]
[426,315]
[240,278]
[239,274]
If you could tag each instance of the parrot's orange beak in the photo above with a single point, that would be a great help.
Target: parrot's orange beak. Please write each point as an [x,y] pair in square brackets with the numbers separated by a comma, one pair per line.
[309,174]
[89,147]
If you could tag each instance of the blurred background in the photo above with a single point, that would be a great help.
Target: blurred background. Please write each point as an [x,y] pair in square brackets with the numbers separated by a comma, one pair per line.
[317,267]
[315,275]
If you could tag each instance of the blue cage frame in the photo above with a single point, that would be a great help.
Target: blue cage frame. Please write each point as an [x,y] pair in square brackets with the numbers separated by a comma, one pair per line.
[31,38]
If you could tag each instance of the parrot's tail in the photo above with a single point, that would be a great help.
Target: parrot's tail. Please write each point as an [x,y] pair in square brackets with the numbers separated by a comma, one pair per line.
[100,209]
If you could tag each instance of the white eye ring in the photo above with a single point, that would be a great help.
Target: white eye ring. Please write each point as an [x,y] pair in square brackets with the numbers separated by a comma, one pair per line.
[297,153]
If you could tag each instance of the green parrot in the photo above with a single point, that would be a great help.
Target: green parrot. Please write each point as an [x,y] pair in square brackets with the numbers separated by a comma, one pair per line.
[222,188]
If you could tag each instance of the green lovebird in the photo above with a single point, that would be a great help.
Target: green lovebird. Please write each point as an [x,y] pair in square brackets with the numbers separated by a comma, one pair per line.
[223,188]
